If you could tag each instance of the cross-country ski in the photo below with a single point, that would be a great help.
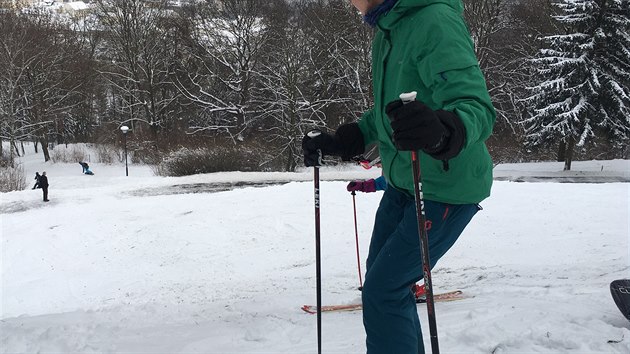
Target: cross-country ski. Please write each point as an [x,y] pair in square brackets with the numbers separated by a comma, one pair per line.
[439,297]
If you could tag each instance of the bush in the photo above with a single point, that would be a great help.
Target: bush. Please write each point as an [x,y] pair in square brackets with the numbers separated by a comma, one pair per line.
[12,179]
[106,153]
[143,152]
[73,154]
[185,162]
[4,159]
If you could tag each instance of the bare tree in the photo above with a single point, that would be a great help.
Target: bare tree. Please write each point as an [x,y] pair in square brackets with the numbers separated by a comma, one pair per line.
[500,52]
[137,52]
[341,45]
[306,81]
[87,115]
[37,84]
[226,38]
[14,62]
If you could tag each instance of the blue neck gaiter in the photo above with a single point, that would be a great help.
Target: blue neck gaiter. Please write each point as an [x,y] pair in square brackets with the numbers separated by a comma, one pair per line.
[371,18]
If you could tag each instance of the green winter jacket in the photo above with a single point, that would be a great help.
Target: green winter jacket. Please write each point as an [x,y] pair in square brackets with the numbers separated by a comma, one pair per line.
[424,46]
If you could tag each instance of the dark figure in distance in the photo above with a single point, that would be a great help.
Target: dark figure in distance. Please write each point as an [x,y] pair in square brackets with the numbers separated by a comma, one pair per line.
[43,183]
[37,177]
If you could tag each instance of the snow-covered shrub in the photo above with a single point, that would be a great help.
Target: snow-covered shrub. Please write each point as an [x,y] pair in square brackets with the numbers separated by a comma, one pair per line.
[184,161]
[106,153]
[141,152]
[12,179]
[4,159]
[74,153]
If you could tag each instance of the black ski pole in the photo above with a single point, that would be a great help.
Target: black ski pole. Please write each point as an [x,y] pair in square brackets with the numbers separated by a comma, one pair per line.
[356,236]
[318,264]
[424,239]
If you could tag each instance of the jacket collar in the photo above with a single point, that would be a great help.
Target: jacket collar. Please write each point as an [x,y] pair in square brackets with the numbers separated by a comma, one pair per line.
[388,20]
[372,17]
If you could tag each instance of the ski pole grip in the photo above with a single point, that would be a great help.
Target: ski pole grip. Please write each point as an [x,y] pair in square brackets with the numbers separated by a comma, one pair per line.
[407,97]
[320,158]
[314,133]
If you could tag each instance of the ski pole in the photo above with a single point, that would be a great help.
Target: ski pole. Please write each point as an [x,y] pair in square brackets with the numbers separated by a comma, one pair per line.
[356,234]
[375,161]
[318,264]
[424,239]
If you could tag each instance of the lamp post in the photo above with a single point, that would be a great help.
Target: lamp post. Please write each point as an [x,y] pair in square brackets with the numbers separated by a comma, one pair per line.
[124,130]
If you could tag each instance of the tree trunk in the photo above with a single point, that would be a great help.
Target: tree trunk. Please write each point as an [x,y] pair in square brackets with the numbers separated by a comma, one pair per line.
[35,144]
[17,150]
[290,166]
[562,151]
[11,155]
[45,149]
[570,146]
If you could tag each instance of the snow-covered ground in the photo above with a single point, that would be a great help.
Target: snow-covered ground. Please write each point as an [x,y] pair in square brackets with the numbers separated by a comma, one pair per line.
[581,171]
[146,264]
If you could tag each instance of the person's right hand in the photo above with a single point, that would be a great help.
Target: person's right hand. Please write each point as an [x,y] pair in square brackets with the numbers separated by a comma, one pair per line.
[316,146]
[367,186]
[346,143]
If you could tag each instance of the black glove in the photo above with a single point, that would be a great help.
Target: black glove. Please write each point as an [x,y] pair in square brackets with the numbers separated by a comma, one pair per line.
[415,126]
[347,143]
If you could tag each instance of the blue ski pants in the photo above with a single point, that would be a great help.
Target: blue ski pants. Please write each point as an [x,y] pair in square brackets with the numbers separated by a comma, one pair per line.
[394,264]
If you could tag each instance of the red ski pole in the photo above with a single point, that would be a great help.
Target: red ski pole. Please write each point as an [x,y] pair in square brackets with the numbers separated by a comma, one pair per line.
[356,234]
[424,239]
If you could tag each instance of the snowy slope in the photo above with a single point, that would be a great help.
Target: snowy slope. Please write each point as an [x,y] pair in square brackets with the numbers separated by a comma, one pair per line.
[119,264]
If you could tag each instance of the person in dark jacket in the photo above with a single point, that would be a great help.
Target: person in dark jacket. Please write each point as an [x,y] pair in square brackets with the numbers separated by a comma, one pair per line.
[422,46]
[43,183]
[37,177]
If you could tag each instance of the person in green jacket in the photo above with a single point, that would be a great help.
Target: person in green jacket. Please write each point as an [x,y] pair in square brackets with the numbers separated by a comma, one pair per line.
[422,46]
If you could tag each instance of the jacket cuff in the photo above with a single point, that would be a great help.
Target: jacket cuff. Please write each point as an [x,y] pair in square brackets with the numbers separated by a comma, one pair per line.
[351,141]
[456,138]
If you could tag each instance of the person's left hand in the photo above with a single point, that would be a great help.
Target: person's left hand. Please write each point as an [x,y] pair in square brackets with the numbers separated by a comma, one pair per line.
[366,186]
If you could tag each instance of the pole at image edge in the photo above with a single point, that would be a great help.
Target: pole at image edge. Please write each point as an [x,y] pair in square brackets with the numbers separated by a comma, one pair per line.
[318,264]
[424,239]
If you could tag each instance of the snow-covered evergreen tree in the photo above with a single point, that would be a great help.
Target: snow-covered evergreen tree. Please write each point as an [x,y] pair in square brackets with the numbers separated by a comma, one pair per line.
[583,77]
[613,58]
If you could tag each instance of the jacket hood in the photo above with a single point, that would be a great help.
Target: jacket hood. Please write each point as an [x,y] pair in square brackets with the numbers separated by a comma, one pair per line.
[403,7]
